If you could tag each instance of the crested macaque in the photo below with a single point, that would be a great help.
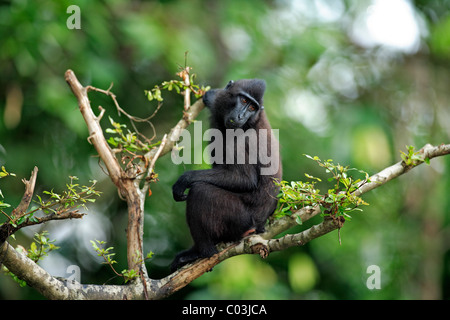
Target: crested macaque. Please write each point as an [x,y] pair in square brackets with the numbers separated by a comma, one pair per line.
[237,195]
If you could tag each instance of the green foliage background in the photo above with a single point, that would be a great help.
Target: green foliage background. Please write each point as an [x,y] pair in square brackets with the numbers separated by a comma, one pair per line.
[328,95]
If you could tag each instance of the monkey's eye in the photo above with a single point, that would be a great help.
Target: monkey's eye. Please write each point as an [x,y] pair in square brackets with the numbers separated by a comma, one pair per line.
[244,101]
[251,108]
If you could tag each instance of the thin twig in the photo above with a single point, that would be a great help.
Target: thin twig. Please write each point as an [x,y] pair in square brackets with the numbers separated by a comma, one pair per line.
[27,196]
[156,156]
[133,119]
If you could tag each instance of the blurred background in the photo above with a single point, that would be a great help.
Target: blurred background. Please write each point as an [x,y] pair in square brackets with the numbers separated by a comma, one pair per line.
[355,81]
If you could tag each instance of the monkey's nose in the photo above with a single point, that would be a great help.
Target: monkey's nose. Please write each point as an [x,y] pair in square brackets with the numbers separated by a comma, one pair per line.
[232,124]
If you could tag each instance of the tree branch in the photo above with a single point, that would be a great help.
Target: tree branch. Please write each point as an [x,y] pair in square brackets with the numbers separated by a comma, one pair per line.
[263,243]
[62,289]
[127,183]
[10,227]
[96,136]
[396,170]
[27,196]
[7,228]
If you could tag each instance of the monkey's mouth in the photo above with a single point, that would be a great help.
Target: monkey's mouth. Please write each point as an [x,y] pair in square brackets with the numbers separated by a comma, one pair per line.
[233,124]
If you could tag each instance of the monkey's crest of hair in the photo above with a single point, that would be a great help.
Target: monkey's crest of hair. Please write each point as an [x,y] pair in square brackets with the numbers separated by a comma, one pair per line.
[252,87]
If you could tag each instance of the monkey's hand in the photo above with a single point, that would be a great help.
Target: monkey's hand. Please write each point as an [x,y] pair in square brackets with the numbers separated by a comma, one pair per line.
[180,187]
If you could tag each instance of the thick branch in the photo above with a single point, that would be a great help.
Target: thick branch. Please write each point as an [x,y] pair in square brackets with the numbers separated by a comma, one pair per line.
[62,289]
[26,269]
[96,136]
[126,186]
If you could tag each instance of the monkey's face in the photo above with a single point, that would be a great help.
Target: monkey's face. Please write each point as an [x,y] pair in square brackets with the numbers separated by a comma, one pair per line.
[237,104]
[245,107]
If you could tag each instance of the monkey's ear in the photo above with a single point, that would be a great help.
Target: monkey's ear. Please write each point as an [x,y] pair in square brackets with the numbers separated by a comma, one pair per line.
[230,83]
[209,97]
[257,88]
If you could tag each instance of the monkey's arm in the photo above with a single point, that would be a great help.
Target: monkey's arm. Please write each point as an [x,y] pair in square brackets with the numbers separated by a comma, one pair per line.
[238,178]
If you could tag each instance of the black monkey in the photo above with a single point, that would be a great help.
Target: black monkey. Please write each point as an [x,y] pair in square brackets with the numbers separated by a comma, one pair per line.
[236,196]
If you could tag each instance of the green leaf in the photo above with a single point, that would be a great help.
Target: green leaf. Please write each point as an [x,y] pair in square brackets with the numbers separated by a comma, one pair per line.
[4,205]
[33,246]
[157,95]
[312,177]
[5,173]
[148,94]
[109,130]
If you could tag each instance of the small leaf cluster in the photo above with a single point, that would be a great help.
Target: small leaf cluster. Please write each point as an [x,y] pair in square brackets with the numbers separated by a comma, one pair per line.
[104,253]
[3,174]
[178,85]
[39,248]
[339,200]
[412,158]
[73,198]
[295,195]
[107,255]
[126,140]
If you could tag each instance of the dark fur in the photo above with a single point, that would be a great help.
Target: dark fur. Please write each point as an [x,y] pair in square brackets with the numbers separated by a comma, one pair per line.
[230,200]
